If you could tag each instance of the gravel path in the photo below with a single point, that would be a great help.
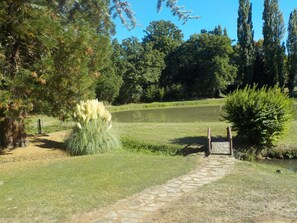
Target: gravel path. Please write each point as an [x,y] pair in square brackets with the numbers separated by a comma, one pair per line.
[135,208]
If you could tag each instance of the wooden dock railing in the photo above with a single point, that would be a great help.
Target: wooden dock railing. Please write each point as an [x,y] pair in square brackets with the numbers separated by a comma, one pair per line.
[230,140]
[208,141]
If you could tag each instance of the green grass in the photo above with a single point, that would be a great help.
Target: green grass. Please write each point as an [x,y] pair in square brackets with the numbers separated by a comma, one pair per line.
[49,124]
[54,191]
[203,102]
[177,134]
[252,193]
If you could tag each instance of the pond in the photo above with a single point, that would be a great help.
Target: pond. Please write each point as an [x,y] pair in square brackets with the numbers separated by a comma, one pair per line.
[287,164]
[170,115]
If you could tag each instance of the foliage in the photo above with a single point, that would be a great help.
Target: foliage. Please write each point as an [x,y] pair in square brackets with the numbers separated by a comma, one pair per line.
[164,35]
[261,116]
[50,59]
[93,138]
[245,35]
[142,66]
[127,16]
[110,79]
[73,69]
[273,32]
[108,86]
[92,133]
[260,73]
[292,51]
[203,64]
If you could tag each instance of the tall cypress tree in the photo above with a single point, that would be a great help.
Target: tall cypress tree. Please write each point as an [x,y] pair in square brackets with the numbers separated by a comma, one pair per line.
[245,35]
[292,50]
[273,32]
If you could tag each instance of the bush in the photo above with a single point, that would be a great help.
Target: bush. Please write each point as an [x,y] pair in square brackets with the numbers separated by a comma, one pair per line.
[261,116]
[93,138]
[92,133]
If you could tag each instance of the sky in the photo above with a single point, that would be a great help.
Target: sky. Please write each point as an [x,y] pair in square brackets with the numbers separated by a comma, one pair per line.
[212,13]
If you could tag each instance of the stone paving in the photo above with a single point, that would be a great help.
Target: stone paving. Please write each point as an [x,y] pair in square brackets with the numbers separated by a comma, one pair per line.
[135,208]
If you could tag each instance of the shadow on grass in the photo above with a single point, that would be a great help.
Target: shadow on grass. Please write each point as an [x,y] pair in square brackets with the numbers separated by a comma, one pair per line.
[200,140]
[194,144]
[48,144]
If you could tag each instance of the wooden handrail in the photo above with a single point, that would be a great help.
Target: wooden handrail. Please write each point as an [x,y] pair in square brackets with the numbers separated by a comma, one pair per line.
[230,140]
[209,140]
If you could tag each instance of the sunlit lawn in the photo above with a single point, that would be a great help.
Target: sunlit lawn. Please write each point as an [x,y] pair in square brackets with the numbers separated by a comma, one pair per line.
[53,191]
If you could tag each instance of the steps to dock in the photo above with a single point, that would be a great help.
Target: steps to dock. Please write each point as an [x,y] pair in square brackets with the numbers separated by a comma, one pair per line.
[220,146]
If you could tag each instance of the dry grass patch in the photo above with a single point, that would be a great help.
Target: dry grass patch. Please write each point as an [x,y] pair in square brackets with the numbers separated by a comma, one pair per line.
[253,193]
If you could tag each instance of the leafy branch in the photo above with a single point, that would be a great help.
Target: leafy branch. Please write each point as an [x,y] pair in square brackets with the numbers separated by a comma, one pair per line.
[123,10]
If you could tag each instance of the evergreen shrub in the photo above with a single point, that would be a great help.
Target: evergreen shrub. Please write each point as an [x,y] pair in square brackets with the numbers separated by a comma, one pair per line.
[262,116]
[92,133]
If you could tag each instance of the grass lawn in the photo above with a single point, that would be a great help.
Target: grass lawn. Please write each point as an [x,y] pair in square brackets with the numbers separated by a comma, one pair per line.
[170,133]
[54,190]
[252,193]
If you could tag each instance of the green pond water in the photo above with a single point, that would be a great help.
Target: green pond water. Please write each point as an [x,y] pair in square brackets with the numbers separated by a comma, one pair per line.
[170,115]
[287,164]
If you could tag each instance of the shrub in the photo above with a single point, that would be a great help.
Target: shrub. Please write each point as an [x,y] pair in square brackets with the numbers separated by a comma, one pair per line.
[92,133]
[261,116]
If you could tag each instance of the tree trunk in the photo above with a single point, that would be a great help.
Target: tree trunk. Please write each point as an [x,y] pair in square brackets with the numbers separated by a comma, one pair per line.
[259,152]
[12,133]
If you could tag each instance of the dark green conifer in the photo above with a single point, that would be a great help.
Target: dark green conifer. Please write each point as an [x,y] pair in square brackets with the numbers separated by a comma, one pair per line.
[273,32]
[245,35]
[292,51]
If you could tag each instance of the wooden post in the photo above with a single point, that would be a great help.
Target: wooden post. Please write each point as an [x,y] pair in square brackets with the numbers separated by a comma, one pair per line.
[39,126]
[208,141]
[230,140]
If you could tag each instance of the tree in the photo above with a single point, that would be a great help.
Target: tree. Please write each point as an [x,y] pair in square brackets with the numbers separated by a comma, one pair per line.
[203,65]
[273,32]
[21,47]
[165,37]
[142,68]
[260,75]
[292,51]
[73,69]
[49,64]
[245,35]
[110,79]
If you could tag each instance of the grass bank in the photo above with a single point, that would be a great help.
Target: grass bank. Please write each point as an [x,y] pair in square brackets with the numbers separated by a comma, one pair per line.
[202,102]
[252,193]
[54,190]
[170,138]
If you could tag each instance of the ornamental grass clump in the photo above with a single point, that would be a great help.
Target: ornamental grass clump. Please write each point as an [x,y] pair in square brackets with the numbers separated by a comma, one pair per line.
[92,133]
[262,116]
